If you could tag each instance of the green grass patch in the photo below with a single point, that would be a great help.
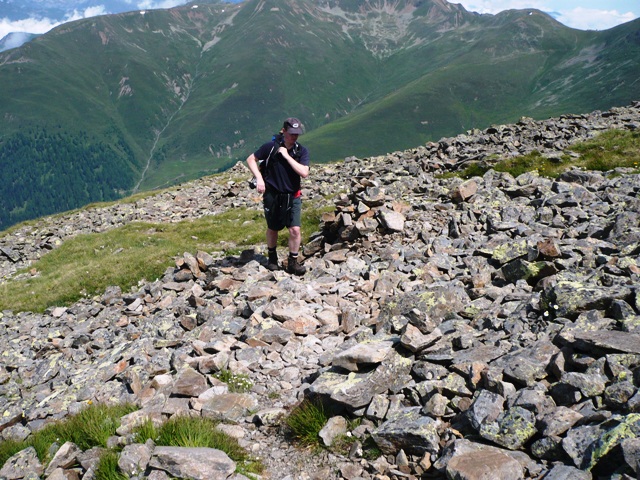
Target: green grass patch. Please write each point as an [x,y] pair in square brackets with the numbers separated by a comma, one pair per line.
[89,428]
[192,432]
[606,152]
[471,170]
[305,422]
[9,448]
[533,161]
[370,449]
[83,266]
[107,467]
[93,426]
[610,150]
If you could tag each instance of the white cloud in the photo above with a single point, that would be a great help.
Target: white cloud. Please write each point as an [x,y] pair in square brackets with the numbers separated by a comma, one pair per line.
[16,40]
[31,25]
[87,13]
[95,11]
[43,25]
[590,19]
[153,4]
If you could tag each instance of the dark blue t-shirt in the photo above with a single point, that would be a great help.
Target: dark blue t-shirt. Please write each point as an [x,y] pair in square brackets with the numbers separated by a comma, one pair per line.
[279,174]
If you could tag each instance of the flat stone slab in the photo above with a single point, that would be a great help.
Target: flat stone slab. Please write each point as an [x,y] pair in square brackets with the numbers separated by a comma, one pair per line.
[610,340]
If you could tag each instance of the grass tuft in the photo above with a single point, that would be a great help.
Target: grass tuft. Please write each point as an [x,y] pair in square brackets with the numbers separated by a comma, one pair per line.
[107,467]
[305,422]
[8,448]
[191,432]
[89,428]
[94,425]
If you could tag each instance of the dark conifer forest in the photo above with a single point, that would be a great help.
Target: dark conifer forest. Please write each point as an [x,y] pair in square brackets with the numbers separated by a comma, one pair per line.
[44,172]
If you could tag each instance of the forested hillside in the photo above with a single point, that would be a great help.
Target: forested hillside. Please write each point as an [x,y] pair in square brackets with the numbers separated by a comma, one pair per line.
[59,172]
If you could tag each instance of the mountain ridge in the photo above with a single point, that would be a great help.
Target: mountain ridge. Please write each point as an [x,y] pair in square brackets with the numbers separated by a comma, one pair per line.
[441,322]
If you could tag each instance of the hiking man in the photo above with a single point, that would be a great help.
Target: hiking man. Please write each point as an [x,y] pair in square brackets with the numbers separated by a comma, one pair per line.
[284,162]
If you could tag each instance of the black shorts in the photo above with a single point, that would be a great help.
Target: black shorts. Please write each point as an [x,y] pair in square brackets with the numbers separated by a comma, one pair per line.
[281,210]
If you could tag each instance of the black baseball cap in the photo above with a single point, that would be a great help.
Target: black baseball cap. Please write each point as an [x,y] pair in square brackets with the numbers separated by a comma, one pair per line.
[293,125]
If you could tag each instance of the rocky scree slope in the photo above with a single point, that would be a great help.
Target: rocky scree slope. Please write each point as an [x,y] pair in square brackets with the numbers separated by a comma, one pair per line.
[488,327]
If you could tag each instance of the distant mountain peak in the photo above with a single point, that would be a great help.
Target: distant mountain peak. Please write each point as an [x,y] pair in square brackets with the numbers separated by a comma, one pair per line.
[15,40]
[387,26]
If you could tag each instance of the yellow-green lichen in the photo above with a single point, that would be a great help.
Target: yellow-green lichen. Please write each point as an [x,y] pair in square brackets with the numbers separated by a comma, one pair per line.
[629,428]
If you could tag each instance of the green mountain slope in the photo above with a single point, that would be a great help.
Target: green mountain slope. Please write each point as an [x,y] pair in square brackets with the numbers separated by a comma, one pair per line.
[164,96]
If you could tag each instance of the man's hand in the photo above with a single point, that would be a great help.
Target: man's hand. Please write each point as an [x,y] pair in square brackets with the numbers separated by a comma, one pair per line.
[285,153]
[252,162]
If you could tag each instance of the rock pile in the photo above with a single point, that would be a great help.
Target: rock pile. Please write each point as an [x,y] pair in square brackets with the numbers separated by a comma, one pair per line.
[487,328]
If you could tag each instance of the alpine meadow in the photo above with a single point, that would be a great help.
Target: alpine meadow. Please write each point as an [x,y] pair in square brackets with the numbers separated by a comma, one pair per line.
[108,106]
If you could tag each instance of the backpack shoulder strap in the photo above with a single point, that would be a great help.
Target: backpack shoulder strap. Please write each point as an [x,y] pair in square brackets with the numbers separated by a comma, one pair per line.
[297,151]
[273,151]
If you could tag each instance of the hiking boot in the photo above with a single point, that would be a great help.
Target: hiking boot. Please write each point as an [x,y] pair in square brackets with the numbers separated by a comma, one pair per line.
[272,264]
[294,267]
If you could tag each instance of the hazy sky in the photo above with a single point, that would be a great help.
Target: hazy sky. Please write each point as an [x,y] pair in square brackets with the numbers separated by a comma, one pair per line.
[75,10]
[581,14]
